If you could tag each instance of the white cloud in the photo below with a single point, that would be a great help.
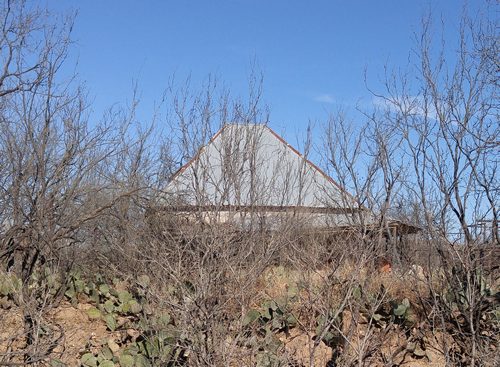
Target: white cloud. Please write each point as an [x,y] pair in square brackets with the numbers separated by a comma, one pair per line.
[324,98]
[411,105]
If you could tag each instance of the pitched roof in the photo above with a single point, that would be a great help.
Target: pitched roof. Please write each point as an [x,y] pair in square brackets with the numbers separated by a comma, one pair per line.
[251,165]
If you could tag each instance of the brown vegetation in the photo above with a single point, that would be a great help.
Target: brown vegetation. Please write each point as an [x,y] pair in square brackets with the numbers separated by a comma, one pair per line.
[99,270]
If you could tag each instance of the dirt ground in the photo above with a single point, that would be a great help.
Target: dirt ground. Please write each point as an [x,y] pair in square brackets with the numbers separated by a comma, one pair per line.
[82,334]
[79,332]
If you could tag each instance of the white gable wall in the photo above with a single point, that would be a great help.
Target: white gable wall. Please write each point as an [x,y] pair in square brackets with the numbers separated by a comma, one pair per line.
[250,166]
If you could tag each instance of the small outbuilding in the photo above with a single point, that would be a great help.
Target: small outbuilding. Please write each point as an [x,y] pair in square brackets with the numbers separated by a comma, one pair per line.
[247,175]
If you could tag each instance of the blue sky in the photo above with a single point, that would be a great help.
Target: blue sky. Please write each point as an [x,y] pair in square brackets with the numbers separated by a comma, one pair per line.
[313,54]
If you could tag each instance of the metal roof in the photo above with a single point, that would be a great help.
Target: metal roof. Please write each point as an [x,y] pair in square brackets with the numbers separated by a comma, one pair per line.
[250,165]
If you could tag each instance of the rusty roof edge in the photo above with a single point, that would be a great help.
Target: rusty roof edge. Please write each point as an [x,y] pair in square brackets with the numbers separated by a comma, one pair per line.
[186,165]
[321,172]
[283,141]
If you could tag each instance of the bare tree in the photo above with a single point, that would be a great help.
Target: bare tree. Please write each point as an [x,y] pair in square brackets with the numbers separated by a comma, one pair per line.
[56,167]
[446,112]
